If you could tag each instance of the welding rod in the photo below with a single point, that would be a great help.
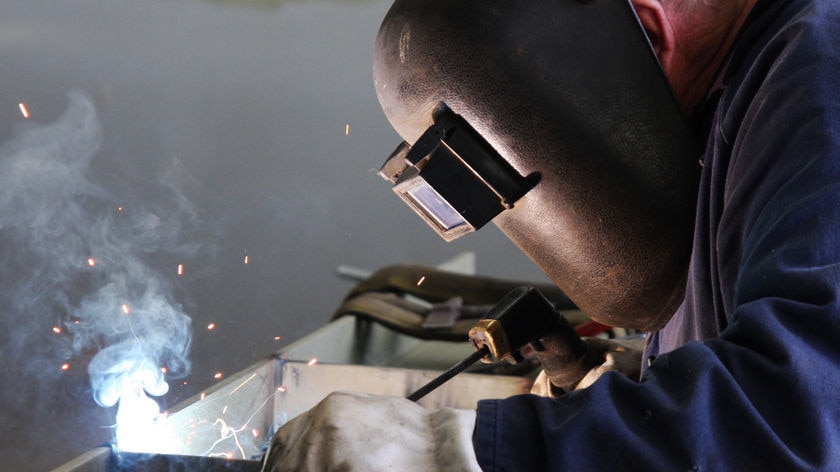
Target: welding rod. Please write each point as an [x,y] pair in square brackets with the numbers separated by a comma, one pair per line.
[452,372]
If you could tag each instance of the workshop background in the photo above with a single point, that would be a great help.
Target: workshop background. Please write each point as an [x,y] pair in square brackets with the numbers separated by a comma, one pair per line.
[198,164]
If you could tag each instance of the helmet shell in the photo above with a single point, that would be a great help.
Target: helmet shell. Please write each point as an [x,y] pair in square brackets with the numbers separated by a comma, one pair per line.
[570,89]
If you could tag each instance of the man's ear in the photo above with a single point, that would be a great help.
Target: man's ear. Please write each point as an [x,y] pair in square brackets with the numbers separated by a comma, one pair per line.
[659,28]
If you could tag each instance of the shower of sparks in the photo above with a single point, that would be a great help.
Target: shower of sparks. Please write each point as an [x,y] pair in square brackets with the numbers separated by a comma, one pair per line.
[227,431]
[422,279]
[23,110]
[180,269]
[91,262]
[312,361]
[347,129]
[125,309]
[57,329]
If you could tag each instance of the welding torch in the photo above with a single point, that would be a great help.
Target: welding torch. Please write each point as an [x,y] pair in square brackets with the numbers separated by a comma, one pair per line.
[524,316]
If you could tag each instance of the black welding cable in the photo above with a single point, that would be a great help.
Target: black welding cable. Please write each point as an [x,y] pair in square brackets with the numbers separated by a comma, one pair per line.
[452,372]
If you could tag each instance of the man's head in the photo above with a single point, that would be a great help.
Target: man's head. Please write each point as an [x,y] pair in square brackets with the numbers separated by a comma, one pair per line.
[691,39]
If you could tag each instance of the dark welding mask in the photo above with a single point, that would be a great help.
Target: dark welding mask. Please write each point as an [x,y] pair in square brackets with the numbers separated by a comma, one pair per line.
[554,120]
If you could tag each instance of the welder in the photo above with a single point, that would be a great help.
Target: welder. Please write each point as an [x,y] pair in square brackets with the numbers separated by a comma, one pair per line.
[555,121]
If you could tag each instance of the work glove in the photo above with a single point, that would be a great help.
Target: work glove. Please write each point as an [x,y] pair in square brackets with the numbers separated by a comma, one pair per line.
[370,433]
[602,355]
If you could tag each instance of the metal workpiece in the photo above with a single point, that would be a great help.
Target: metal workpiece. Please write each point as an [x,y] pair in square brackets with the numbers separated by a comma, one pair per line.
[573,92]
[227,427]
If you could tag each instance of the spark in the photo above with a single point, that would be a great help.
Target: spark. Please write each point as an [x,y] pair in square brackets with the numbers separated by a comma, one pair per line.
[422,279]
[281,389]
[149,429]
[242,384]
[218,375]
[180,269]
[23,110]
[57,329]
[120,209]
[164,369]
[276,338]
[228,432]
[91,262]
[125,309]
[211,326]
[347,129]
[246,258]
[312,361]
[65,366]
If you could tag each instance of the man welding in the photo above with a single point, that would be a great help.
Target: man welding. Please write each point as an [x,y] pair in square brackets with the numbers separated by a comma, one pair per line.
[557,117]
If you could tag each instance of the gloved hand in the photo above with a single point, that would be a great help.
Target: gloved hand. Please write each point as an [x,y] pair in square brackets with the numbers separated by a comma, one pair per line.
[603,355]
[363,432]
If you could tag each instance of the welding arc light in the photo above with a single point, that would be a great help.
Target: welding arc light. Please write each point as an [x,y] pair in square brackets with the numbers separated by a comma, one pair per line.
[453,178]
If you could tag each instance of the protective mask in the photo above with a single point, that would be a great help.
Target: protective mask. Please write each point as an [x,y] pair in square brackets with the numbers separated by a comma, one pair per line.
[554,120]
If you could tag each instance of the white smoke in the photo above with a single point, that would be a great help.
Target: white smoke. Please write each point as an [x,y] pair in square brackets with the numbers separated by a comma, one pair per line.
[74,259]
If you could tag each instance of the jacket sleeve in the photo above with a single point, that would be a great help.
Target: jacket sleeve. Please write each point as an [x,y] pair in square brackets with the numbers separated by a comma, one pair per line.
[765,393]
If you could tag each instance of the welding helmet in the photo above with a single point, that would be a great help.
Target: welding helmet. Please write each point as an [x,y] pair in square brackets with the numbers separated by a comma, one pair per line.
[554,120]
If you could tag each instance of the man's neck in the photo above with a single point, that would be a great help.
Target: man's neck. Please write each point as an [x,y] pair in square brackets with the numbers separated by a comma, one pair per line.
[706,34]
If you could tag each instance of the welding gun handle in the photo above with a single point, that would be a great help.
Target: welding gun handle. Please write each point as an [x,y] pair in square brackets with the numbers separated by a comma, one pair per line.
[561,339]
[564,356]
